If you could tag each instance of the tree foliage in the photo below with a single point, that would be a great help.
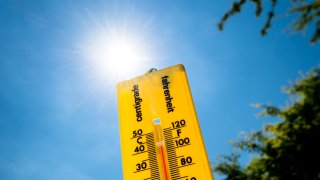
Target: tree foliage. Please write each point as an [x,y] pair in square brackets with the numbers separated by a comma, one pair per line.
[308,14]
[288,149]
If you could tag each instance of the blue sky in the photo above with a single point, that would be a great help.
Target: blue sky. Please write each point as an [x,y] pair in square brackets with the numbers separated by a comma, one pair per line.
[58,109]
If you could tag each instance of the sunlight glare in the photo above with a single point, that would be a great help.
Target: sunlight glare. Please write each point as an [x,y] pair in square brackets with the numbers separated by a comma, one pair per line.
[116,53]
[118,57]
[122,56]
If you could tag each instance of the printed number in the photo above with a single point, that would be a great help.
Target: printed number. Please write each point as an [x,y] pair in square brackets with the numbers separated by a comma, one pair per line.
[185,161]
[139,148]
[141,166]
[137,132]
[181,142]
[178,124]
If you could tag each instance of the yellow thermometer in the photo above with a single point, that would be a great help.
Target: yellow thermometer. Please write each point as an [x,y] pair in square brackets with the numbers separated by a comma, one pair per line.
[159,130]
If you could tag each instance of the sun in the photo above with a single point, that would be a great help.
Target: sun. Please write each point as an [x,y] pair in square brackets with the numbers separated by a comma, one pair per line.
[119,56]
[117,52]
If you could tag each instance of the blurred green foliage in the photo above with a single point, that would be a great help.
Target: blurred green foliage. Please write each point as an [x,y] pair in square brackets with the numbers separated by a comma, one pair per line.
[287,149]
[308,13]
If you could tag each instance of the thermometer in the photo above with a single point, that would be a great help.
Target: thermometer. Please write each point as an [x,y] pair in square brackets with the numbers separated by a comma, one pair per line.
[159,130]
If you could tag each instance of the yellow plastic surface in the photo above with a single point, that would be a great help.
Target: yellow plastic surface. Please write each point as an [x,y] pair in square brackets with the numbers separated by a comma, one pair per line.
[159,130]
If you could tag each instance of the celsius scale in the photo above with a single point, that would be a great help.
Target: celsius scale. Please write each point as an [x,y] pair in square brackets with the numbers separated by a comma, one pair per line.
[159,131]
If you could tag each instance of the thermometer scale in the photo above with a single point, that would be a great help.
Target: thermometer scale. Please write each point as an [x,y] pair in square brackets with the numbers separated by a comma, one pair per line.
[159,131]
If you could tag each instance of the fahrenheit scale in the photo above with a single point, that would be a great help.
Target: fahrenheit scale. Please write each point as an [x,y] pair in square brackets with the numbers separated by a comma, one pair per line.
[159,131]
